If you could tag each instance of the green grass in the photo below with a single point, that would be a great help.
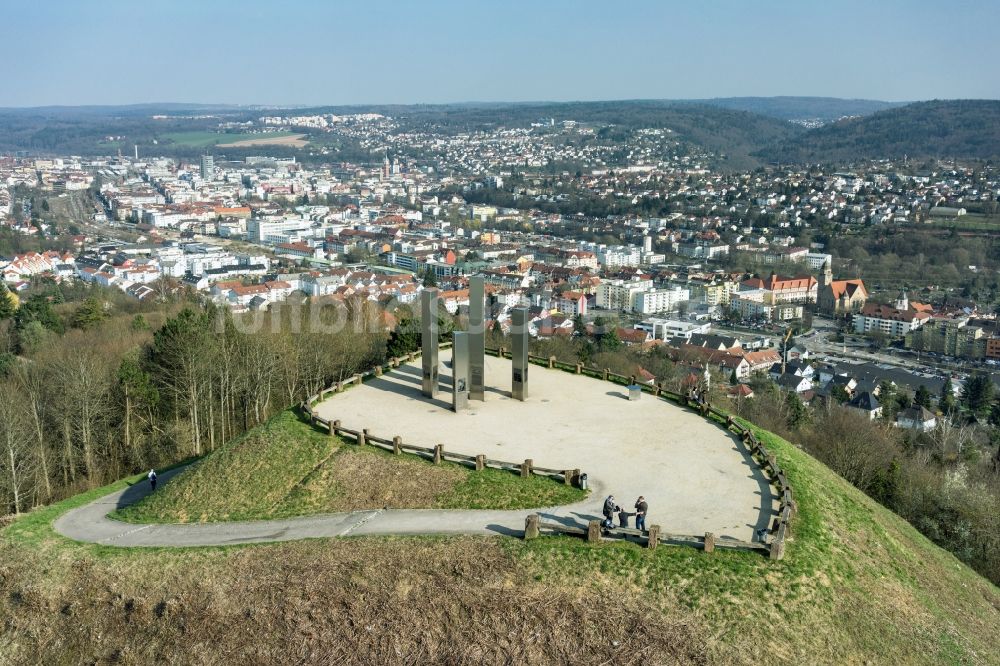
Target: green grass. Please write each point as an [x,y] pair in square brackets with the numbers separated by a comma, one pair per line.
[857,584]
[287,468]
[206,139]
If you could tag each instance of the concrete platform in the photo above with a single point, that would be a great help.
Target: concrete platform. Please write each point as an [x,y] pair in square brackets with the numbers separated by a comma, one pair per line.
[692,472]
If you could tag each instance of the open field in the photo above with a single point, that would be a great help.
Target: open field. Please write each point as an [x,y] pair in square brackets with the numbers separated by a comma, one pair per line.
[292,140]
[207,139]
[854,577]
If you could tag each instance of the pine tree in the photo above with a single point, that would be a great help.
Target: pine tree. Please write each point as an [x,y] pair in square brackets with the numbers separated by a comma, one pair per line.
[922,398]
[7,308]
[946,403]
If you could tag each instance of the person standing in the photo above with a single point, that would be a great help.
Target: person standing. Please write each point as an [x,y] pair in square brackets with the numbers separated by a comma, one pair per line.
[152,479]
[609,511]
[641,507]
[623,517]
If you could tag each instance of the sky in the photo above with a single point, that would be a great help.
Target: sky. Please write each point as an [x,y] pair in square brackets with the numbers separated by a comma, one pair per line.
[331,52]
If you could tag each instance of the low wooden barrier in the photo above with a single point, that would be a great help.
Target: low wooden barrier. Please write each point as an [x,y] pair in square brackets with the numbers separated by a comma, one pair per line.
[779,531]
[535,526]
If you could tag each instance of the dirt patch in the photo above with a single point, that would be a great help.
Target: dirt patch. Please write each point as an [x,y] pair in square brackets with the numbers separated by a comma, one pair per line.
[294,141]
[352,480]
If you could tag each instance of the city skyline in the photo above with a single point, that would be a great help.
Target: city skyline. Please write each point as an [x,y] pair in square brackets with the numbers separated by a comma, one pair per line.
[316,53]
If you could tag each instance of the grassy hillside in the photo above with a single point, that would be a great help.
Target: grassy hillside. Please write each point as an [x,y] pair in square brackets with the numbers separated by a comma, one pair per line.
[942,129]
[286,468]
[857,585]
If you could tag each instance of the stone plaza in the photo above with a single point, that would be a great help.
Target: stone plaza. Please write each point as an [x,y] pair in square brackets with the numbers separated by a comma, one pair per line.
[694,474]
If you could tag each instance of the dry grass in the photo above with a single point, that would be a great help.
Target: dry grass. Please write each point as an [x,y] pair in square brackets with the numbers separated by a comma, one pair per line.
[359,601]
[353,479]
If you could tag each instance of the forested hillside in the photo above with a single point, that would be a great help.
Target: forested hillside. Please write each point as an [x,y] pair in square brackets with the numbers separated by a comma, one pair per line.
[799,108]
[940,129]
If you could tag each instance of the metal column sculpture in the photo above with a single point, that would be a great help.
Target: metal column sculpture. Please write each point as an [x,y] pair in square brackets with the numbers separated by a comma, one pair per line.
[429,340]
[477,338]
[519,353]
[460,371]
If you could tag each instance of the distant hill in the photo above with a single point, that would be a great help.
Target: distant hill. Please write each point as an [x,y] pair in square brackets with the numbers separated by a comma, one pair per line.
[735,133]
[824,109]
[79,130]
[941,129]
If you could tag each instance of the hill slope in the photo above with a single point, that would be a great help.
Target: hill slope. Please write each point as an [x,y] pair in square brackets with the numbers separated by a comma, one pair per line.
[942,129]
[825,109]
[857,585]
[287,468]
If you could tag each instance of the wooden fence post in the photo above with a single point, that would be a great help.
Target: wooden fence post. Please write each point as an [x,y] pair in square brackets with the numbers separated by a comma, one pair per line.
[531,527]
[378,370]
[579,368]
[709,542]
[363,437]
[607,371]
[568,477]
[552,362]
[594,531]
[340,387]
[480,462]
[397,443]
[438,450]
[334,427]
[526,468]
[653,539]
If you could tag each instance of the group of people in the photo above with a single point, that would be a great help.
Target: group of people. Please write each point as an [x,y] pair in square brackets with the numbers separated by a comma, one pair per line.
[611,508]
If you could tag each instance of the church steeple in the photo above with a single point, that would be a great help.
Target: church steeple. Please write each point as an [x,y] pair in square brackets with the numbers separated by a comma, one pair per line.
[826,277]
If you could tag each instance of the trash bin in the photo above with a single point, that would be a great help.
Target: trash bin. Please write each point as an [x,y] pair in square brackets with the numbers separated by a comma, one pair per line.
[583,482]
[634,391]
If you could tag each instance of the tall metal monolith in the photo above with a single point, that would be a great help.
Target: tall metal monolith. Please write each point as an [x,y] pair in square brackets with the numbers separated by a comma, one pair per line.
[429,340]
[477,338]
[519,353]
[460,371]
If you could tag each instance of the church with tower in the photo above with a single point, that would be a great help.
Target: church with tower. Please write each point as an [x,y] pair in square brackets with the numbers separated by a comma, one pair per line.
[839,297]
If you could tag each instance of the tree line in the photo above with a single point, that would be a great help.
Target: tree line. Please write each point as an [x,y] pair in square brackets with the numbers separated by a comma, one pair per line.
[90,392]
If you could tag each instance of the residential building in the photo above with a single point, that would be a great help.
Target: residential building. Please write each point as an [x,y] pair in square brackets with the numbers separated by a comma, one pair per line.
[917,418]
[894,322]
[949,336]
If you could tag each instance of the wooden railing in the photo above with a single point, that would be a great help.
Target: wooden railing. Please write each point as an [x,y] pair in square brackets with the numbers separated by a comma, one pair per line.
[779,531]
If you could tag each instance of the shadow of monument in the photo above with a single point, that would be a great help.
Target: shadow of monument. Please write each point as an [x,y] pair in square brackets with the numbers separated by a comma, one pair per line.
[404,387]
[505,531]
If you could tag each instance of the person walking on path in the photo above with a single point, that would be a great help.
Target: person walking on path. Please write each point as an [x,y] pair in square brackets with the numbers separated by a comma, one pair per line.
[640,513]
[152,479]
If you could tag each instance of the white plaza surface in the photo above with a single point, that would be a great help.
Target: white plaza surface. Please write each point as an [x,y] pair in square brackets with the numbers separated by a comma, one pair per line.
[692,472]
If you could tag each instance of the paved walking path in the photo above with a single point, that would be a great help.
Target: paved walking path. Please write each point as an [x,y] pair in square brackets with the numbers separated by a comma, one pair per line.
[91,523]
[694,474]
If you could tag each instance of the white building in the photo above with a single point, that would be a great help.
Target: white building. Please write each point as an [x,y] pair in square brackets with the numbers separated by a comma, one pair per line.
[659,300]
[663,329]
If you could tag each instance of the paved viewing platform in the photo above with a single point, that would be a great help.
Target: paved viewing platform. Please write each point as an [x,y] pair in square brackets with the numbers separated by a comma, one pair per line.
[693,473]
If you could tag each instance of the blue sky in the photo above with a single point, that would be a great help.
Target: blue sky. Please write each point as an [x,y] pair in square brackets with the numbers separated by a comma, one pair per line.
[371,51]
